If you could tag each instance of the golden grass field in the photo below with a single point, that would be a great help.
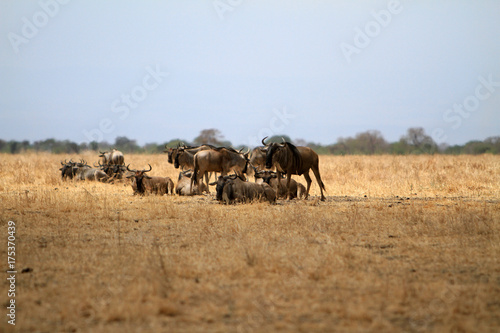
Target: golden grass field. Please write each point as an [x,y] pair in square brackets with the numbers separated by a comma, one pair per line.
[402,244]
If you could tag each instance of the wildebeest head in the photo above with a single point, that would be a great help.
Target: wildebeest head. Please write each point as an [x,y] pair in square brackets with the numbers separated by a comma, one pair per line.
[179,152]
[139,176]
[266,175]
[67,169]
[220,183]
[285,154]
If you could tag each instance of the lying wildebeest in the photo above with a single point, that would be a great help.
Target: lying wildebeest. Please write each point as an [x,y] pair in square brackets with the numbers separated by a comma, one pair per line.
[83,171]
[68,169]
[184,184]
[114,171]
[297,190]
[112,157]
[221,160]
[143,183]
[232,189]
[292,160]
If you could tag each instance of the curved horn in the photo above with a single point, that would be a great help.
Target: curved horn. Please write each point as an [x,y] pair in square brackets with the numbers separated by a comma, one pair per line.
[282,138]
[129,169]
[150,168]
[264,140]
[95,166]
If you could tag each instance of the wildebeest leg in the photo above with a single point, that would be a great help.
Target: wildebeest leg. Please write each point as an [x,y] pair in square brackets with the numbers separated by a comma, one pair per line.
[320,182]
[207,179]
[309,181]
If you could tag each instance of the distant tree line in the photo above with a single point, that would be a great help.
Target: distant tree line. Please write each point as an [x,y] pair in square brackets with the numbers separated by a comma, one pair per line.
[415,141]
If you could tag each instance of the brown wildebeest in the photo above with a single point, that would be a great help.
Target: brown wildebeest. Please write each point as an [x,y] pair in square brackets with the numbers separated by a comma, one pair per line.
[232,189]
[221,160]
[143,183]
[184,184]
[185,159]
[258,157]
[297,190]
[292,160]
[112,157]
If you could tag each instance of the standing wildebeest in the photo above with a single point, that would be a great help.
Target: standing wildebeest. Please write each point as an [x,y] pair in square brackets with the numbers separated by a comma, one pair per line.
[297,190]
[68,169]
[293,160]
[184,184]
[143,183]
[83,171]
[221,160]
[234,189]
[258,157]
[184,158]
[112,157]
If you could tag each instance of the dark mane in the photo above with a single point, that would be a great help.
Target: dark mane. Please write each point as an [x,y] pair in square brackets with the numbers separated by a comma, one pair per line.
[297,158]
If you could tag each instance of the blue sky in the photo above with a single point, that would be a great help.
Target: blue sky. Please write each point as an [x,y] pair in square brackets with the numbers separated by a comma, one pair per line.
[316,70]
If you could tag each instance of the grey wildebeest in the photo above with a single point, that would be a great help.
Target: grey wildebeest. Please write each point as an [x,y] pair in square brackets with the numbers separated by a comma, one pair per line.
[297,190]
[112,157]
[232,189]
[221,160]
[291,160]
[184,184]
[142,183]
[83,171]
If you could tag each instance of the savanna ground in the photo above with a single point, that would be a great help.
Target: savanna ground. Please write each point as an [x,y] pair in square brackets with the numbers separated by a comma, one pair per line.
[402,244]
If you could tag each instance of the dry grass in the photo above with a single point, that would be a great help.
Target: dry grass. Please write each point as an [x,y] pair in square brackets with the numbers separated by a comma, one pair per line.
[403,244]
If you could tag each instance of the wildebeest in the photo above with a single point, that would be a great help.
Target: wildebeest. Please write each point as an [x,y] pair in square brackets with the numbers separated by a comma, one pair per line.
[83,171]
[68,169]
[112,157]
[258,157]
[184,184]
[232,189]
[297,190]
[114,171]
[143,183]
[292,160]
[221,160]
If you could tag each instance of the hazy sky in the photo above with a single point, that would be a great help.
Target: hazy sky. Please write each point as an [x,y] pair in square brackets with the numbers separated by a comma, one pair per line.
[316,70]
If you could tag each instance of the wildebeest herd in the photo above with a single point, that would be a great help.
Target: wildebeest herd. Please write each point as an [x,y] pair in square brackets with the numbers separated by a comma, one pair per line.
[268,164]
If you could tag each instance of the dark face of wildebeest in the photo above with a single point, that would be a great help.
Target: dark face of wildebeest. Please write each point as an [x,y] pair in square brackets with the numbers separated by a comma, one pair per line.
[221,181]
[139,176]
[171,152]
[67,170]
